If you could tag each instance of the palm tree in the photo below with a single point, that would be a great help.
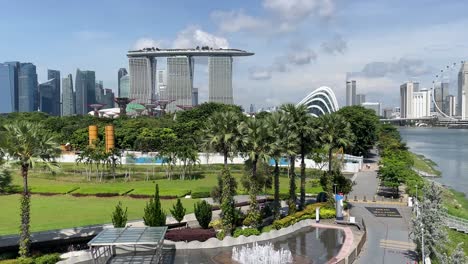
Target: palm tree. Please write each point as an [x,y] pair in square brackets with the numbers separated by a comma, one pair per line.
[25,144]
[221,133]
[335,132]
[256,145]
[275,124]
[300,123]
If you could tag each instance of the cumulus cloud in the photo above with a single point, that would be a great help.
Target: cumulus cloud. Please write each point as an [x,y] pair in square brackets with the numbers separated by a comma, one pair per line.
[292,12]
[193,36]
[334,45]
[259,73]
[237,20]
[142,43]
[301,56]
[406,66]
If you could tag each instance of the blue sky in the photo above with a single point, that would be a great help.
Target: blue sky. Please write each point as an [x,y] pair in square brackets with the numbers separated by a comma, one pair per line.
[299,44]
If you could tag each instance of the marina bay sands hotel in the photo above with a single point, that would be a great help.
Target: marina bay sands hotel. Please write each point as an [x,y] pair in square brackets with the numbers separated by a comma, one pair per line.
[180,68]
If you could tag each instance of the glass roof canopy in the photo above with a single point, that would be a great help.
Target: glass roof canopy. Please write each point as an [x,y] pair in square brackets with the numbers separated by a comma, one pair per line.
[129,236]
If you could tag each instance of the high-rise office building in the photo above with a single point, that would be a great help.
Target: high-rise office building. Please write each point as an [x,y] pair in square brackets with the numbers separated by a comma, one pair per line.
[47,97]
[388,113]
[122,72]
[462,109]
[252,108]
[108,98]
[372,106]
[406,100]
[179,81]
[124,86]
[451,105]
[55,76]
[68,96]
[350,93]
[142,79]
[99,92]
[195,96]
[85,91]
[15,67]
[7,88]
[27,88]
[220,79]
[360,99]
[421,103]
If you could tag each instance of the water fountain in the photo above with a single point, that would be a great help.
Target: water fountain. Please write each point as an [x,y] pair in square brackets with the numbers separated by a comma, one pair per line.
[261,254]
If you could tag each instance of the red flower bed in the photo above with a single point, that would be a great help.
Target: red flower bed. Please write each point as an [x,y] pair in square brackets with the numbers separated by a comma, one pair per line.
[190,234]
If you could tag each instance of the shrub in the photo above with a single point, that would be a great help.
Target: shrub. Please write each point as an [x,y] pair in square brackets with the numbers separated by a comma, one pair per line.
[266,211]
[190,234]
[154,215]
[267,229]
[178,211]
[203,213]
[221,235]
[246,232]
[47,259]
[200,194]
[24,260]
[327,213]
[5,181]
[216,224]
[119,216]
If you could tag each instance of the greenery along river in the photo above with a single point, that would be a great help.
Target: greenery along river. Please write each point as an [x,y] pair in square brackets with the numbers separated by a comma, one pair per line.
[446,147]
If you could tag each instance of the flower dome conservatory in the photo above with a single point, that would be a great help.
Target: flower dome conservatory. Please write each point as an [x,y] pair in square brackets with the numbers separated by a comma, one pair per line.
[321,101]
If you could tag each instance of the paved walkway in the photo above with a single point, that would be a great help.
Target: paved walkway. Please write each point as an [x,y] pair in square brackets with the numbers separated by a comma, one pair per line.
[387,237]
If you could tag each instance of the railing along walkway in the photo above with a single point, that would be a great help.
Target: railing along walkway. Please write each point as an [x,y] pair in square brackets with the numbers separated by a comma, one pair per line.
[456,223]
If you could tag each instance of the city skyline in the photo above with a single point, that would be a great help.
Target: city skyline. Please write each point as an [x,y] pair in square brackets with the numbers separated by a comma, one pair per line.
[299,47]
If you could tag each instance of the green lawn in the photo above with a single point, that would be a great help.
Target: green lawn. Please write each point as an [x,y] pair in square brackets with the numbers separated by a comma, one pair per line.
[63,211]
[456,203]
[424,164]
[456,238]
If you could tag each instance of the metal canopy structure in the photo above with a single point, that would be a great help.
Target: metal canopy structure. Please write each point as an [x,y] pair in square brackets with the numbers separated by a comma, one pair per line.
[103,246]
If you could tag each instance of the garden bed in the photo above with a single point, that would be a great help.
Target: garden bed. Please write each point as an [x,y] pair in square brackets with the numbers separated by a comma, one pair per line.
[190,234]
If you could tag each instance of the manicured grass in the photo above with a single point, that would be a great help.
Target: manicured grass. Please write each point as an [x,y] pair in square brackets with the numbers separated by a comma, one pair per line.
[64,211]
[456,203]
[456,238]
[424,164]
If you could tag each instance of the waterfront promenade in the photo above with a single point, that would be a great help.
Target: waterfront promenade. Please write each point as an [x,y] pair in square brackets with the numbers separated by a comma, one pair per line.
[387,237]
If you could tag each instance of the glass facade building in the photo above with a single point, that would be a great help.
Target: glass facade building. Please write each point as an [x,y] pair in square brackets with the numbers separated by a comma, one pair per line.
[220,79]
[55,76]
[122,72]
[142,79]
[68,96]
[28,94]
[47,97]
[124,88]
[7,88]
[85,90]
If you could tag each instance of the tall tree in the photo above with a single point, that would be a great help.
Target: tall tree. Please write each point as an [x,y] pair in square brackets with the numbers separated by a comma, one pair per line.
[301,124]
[27,143]
[335,132]
[221,134]
[256,147]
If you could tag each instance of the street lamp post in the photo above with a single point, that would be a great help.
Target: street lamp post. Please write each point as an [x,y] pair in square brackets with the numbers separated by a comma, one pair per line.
[335,187]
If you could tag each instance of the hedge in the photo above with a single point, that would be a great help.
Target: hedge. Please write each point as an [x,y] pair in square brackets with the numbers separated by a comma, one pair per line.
[246,232]
[307,213]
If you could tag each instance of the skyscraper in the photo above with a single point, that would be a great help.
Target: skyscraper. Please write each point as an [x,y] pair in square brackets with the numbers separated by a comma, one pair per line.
[7,88]
[179,81]
[47,97]
[350,93]
[372,106]
[55,76]
[162,84]
[122,72]
[68,96]
[142,79]
[85,91]
[220,79]
[16,67]
[421,103]
[406,100]
[462,108]
[124,86]
[360,99]
[99,92]
[195,96]
[108,98]
[27,88]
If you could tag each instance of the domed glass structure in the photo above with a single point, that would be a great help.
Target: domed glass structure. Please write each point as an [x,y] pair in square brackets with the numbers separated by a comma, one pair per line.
[321,101]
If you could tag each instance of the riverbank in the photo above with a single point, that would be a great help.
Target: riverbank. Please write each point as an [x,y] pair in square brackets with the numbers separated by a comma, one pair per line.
[425,166]
[455,202]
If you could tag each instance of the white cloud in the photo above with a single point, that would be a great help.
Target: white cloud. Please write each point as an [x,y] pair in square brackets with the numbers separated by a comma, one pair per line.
[237,20]
[407,66]
[146,43]
[192,36]
[301,56]
[259,73]
[334,45]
